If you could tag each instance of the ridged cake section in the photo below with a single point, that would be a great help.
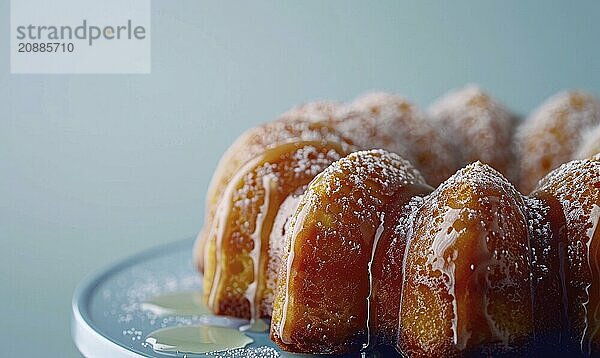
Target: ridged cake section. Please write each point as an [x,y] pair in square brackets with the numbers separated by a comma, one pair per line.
[326,282]
[467,275]
[572,194]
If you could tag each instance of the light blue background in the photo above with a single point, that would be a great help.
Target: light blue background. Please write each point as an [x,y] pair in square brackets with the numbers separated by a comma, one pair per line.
[96,167]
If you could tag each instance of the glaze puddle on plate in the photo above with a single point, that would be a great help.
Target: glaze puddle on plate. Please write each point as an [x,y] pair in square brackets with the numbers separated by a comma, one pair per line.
[177,303]
[115,310]
[256,325]
[197,339]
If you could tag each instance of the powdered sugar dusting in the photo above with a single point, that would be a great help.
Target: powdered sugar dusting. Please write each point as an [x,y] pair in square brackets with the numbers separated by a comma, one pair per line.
[540,233]
[250,352]
[573,184]
[390,122]
[405,222]
[388,170]
[480,126]
[552,133]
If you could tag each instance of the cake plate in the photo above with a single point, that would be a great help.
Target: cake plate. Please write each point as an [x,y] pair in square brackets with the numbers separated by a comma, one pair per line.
[109,318]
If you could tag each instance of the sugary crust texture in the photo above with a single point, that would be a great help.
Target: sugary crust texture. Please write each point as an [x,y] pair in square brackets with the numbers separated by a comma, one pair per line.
[467,273]
[481,128]
[323,286]
[573,194]
[235,277]
[553,133]
[390,122]
[250,145]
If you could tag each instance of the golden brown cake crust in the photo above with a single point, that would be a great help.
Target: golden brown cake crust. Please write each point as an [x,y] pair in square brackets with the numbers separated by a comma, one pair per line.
[324,283]
[572,193]
[467,274]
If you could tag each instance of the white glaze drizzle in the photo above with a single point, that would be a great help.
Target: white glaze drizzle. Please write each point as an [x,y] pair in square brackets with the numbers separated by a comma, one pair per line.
[441,242]
[369,268]
[594,218]
[251,291]
[222,217]
[305,207]
[484,268]
[220,223]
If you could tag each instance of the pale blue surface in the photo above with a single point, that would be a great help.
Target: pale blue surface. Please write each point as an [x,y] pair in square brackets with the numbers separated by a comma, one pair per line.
[96,167]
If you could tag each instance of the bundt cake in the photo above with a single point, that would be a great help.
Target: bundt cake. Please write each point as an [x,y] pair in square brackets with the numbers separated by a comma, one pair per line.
[481,127]
[347,249]
[553,133]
